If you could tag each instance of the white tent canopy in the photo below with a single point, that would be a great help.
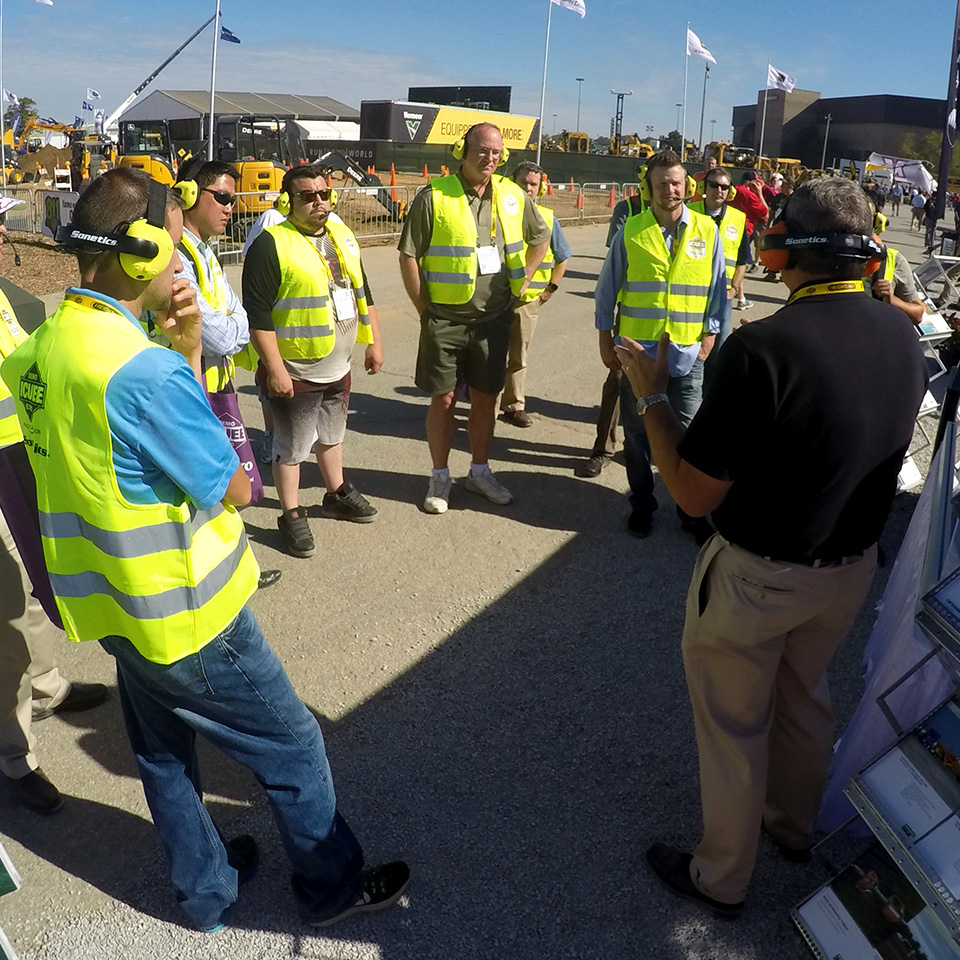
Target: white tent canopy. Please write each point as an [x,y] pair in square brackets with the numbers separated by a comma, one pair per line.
[328,129]
[900,170]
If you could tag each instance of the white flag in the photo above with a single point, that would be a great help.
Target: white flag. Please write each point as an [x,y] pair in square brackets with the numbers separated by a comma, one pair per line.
[49,3]
[696,49]
[10,98]
[777,80]
[92,94]
[577,6]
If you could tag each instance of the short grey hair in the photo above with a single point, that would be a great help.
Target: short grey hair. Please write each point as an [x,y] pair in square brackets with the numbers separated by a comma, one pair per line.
[525,168]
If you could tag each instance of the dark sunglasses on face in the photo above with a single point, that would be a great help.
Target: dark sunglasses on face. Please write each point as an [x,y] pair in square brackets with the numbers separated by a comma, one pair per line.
[308,196]
[223,197]
[718,186]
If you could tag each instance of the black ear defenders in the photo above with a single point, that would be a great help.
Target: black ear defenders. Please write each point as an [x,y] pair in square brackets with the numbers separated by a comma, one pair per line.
[775,245]
[143,245]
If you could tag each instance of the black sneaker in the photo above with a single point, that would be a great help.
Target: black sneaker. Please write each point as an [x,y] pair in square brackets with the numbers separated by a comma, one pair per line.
[348,503]
[672,869]
[243,855]
[382,887]
[296,534]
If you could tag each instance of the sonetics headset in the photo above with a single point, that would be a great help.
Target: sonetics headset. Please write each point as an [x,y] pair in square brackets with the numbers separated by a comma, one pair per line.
[143,245]
[776,245]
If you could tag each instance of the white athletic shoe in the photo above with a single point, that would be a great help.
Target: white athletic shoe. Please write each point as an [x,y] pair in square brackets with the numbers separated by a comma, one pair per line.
[438,495]
[487,485]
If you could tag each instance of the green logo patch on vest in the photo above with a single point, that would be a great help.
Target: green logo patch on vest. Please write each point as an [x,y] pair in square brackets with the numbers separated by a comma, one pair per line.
[32,391]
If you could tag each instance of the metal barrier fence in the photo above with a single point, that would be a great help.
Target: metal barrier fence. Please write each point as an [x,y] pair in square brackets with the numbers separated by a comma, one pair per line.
[27,216]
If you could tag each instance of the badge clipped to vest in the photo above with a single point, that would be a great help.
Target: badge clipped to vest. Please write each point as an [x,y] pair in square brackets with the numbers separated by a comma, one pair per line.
[731,230]
[697,248]
[488,260]
[343,303]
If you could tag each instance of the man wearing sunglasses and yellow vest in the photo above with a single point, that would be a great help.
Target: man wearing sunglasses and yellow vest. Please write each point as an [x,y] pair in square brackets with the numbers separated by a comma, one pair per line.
[137,488]
[464,269]
[309,303]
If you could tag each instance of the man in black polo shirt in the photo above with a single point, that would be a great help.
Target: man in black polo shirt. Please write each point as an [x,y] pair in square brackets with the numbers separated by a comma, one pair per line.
[795,452]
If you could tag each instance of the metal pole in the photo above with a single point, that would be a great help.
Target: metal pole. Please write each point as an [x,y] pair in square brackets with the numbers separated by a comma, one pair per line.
[618,122]
[713,127]
[763,126]
[213,77]
[543,83]
[3,110]
[950,122]
[823,157]
[679,108]
[703,106]
[683,122]
[579,91]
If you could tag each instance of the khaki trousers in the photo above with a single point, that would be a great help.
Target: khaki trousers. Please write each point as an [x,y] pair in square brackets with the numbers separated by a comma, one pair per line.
[521,333]
[27,668]
[757,640]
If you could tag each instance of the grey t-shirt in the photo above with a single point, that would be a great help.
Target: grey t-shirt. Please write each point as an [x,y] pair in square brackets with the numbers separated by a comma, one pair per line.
[903,285]
[491,293]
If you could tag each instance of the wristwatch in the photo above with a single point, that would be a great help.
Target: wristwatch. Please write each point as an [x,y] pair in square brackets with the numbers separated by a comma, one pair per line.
[645,403]
[552,287]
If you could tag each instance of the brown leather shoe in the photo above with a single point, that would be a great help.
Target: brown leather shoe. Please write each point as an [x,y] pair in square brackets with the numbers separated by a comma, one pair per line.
[519,418]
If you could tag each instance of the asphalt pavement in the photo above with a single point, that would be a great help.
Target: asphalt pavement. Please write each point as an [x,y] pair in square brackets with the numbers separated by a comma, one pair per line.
[501,691]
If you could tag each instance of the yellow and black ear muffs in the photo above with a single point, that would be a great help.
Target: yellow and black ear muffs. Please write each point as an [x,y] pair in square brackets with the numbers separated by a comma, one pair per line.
[189,192]
[458,149]
[776,245]
[282,203]
[646,196]
[143,246]
[542,189]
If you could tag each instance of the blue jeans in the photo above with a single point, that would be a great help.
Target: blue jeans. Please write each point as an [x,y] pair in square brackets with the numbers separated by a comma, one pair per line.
[236,694]
[726,323]
[685,394]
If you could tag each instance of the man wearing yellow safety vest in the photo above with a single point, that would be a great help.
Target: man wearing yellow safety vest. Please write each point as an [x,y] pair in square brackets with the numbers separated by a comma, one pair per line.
[664,272]
[893,282]
[137,488]
[731,224]
[309,303]
[31,686]
[529,177]
[464,269]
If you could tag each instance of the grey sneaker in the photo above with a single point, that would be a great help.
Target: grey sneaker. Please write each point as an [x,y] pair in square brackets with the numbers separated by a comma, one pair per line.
[744,304]
[438,495]
[487,485]
[266,447]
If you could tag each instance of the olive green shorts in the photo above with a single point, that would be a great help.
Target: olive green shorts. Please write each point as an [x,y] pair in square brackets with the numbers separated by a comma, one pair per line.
[474,353]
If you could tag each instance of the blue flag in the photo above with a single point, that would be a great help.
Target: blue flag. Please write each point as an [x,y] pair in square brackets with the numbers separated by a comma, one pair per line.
[86,106]
[78,121]
[229,36]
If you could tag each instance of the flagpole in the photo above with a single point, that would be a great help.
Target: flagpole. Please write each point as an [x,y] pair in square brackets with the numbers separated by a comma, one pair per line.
[213,77]
[543,83]
[683,121]
[763,122]
[3,109]
[703,107]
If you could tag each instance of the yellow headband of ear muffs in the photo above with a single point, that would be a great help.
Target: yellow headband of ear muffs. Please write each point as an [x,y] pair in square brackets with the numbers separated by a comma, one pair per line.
[144,247]
[189,193]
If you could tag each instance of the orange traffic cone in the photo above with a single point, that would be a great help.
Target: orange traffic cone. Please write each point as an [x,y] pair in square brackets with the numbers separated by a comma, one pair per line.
[580,201]
[426,172]
[613,197]
[393,183]
[549,189]
[329,181]
[571,183]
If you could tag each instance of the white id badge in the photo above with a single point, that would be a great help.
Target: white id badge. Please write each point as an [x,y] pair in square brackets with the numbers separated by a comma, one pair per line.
[343,302]
[488,260]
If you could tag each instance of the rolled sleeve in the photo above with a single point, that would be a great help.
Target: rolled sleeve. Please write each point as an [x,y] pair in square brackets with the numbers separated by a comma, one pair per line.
[561,249]
[535,229]
[717,298]
[223,333]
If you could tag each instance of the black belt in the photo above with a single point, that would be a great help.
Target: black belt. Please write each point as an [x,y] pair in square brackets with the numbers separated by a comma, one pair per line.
[820,564]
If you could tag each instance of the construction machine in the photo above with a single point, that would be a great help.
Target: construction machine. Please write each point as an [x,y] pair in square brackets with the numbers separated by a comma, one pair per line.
[576,142]
[729,154]
[351,170]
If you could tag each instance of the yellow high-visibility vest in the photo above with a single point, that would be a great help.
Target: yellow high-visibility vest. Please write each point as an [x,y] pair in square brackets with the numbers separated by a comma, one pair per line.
[166,576]
[11,336]
[732,225]
[540,279]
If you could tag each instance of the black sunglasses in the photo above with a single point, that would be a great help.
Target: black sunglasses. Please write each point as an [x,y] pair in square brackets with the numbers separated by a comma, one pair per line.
[308,196]
[718,186]
[222,197]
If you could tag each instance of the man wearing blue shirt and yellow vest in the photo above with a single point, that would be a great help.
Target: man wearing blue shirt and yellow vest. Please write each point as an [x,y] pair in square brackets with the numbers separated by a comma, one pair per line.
[309,303]
[543,285]
[664,272]
[464,269]
[137,489]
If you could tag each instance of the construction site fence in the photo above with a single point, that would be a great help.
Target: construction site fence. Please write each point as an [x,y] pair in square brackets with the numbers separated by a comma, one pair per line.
[372,213]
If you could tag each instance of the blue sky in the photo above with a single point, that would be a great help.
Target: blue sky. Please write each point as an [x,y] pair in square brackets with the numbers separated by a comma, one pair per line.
[374,49]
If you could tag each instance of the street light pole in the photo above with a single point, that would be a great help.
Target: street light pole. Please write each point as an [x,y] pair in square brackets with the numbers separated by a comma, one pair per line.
[618,120]
[679,107]
[713,124]
[823,158]
[579,91]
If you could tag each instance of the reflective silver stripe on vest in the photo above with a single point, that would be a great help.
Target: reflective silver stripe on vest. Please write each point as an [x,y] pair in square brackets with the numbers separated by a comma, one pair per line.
[537,285]
[440,276]
[288,333]
[643,313]
[689,290]
[126,544]
[513,247]
[156,606]
[7,408]
[301,303]
[517,273]
[438,250]
[678,316]
[643,286]
[730,261]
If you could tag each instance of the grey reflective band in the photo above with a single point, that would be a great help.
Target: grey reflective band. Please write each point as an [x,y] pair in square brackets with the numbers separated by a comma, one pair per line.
[730,261]
[643,286]
[689,290]
[301,303]
[441,276]
[513,247]
[517,273]
[285,332]
[537,285]
[442,251]
[680,316]
[643,313]
[127,544]
[7,408]
[155,606]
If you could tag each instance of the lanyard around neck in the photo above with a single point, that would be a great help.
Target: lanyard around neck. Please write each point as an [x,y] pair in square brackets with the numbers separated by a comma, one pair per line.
[820,289]
[92,304]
